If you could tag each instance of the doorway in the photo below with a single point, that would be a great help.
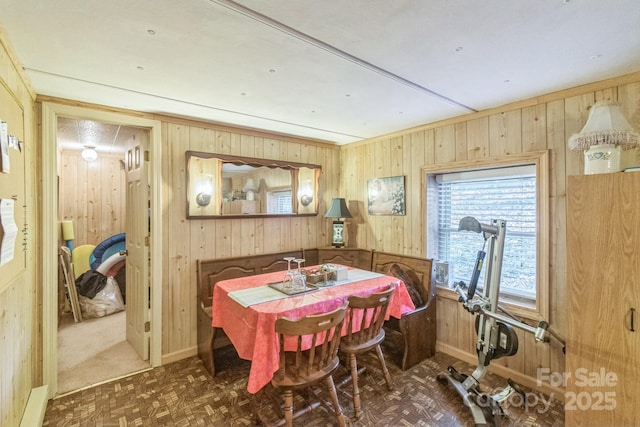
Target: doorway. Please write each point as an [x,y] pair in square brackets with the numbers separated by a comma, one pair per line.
[50,114]
[92,203]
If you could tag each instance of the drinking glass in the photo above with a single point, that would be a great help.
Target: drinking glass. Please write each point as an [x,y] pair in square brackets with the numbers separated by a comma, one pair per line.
[299,261]
[287,282]
[289,259]
[300,280]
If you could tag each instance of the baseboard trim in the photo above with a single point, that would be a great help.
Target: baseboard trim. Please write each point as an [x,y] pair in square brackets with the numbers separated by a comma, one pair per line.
[33,415]
[179,355]
[503,371]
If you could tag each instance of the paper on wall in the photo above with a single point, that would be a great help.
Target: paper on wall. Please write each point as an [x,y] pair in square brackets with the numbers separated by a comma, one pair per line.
[8,231]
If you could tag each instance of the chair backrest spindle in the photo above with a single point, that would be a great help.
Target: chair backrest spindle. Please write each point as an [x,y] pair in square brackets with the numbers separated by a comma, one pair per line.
[317,340]
[366,315]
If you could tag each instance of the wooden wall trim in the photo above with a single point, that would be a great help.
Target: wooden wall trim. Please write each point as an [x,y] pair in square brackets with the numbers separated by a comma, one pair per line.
[44,99]
[542,99]
[540,159]
[191,122]
[36,407]
[17,67]
[225,127]
[179,355]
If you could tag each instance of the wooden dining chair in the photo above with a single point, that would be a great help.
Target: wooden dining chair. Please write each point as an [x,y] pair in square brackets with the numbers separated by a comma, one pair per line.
[315,358]
[364,320]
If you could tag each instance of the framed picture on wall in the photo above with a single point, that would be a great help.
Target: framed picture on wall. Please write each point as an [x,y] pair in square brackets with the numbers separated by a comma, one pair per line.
[386,196]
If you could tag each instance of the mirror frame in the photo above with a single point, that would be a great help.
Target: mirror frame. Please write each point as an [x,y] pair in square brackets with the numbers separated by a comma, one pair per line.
[216,197]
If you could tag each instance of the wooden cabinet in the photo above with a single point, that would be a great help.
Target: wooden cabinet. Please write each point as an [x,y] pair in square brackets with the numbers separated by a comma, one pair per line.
[603,295]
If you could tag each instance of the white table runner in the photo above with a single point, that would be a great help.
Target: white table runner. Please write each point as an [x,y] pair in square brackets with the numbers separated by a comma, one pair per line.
[260,294]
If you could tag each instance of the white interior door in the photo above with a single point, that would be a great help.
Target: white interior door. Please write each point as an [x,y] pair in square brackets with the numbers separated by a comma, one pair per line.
[49,248]
[137,232]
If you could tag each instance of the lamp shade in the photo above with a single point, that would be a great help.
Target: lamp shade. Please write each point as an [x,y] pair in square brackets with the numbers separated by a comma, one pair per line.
[250,185]
[338,209]
[606,125]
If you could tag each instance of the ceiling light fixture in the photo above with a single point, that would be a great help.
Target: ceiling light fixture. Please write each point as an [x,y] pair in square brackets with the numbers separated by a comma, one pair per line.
[89,154]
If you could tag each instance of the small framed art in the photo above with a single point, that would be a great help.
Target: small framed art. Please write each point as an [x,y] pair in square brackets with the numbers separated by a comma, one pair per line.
[386,196]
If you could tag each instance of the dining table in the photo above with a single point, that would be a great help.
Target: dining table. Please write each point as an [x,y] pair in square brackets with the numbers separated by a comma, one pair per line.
[247,308]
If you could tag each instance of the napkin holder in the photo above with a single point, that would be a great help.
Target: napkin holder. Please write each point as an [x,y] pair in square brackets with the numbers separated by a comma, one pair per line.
[340,272]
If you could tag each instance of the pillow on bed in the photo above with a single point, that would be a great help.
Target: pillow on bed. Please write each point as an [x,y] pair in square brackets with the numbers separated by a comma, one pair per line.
[411,281]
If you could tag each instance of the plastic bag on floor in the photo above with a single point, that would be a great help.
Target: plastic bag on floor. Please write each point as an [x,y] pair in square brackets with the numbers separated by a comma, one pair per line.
[106,302]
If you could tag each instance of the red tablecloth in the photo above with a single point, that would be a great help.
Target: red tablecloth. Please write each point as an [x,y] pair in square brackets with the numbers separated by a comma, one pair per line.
[252,329]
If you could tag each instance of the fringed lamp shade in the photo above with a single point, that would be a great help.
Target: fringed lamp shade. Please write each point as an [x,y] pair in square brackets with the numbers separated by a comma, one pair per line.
[606,125]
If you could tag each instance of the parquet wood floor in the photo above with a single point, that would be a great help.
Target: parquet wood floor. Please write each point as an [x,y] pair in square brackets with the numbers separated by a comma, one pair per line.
[184,394]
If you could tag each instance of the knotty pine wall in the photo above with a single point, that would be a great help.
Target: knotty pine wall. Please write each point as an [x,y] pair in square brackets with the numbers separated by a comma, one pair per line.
[92,195]
[187,240]
[543,123]
[20,350]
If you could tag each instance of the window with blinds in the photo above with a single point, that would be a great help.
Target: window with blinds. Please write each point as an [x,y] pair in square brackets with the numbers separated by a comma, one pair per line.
[279,202]
[507,193]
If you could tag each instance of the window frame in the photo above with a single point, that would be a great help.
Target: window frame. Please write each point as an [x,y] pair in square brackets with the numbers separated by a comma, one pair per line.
[540,159]
[273,196]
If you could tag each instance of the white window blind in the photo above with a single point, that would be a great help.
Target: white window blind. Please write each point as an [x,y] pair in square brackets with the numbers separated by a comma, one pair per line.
[505,193]
[280,202]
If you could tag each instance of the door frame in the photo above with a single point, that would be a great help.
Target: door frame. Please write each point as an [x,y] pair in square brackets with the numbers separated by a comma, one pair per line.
[49,229]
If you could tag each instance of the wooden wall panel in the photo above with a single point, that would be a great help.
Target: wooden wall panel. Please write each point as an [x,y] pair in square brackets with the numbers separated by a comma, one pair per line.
[20,348]
[187,240]
[93,196]
[544,123]
[477,138]
[179,316]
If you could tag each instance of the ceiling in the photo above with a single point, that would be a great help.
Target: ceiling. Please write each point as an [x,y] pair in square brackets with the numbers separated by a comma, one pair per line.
[105,138]
[338,71]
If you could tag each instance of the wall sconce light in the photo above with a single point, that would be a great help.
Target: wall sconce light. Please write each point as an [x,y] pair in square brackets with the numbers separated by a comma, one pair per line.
[338,210]
[204,192]
[203,199]
[305,193]
[606,133]
[89,154]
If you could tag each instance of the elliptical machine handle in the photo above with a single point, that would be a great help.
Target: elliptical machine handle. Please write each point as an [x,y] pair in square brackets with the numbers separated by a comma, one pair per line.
[476,274]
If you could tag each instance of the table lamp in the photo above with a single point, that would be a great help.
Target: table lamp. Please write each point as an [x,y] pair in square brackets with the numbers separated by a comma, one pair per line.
[338,210]
[249,189]
[604,137]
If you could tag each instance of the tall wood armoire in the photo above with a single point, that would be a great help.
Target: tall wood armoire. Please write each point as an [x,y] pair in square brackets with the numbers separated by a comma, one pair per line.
[603,297]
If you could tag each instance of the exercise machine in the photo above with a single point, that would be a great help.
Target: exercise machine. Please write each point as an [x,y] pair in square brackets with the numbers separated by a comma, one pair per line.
[496,334]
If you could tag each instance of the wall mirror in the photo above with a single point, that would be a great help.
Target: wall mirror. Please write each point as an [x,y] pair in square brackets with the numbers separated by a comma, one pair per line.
[226,186]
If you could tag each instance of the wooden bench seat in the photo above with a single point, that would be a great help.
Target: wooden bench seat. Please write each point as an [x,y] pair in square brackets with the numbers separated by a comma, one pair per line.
[212,271]
[418,327]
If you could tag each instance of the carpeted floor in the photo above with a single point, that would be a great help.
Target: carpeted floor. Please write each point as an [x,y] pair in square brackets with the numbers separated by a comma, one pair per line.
[184,394]
[94,351]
